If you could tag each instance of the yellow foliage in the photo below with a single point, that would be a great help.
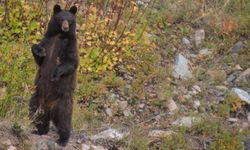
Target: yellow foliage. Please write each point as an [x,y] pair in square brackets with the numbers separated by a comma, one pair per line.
[103,49]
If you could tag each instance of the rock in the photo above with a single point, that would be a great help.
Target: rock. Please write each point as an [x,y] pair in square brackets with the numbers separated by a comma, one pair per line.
[186,42]
[6,142]
[243,95]
[195,90]
[237,67]
[185,121]
[142,3]
[237,47]
[248,116]
[40,145]
[12,148]
[199,37]
[222,88]
[172,106]
[113,97]
[245,125]
[123,105]
[92,147]
[109,134]
[159,133]
[197,104]
[181,68]
[244,77]
[205,52]
[141,106]
[231,78]
[232,119]
[109,112]
[247,144]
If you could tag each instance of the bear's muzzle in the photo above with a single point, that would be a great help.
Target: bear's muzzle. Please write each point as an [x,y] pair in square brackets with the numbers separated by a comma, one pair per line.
[65,26]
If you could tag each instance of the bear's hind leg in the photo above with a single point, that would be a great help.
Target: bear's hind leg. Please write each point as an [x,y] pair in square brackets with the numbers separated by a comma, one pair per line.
[42,124]
[62,120]
[39,118]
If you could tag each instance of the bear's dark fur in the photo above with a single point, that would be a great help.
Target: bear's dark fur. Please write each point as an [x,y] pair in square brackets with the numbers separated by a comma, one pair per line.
[57,58]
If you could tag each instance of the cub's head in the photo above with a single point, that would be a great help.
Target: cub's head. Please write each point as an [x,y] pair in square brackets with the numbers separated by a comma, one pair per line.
[64,19]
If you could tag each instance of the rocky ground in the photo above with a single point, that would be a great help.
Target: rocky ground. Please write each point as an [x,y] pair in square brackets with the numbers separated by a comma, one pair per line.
[192,102]
[195,96]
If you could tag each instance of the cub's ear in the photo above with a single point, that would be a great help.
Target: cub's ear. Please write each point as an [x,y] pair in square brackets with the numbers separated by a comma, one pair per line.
[57,9]
[73,10]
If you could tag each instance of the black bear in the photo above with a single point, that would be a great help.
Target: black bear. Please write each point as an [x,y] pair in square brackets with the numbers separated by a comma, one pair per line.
[57,58]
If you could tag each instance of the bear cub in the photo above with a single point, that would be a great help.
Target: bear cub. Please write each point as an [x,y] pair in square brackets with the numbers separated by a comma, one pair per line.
[57,58]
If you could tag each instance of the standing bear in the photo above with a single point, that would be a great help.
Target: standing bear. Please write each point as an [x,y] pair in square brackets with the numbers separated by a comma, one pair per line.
[57,58]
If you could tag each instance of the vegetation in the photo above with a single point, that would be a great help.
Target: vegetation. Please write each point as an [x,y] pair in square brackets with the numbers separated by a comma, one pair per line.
[127,48]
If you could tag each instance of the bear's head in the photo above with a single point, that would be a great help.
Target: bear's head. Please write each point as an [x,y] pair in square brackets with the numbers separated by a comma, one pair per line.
[64,19]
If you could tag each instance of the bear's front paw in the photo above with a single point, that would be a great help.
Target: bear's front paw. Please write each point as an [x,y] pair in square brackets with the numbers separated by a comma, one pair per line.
[38,50]
[55,75]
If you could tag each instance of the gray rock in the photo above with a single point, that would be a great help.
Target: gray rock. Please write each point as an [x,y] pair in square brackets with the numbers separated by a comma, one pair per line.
[181,68]
[40,145]
[222,88]
[243,95]
[109,112]
[141,106]
[247,144]
[244,77]
[185,121]
[197,104]
[237,47]
[195,90]
[248,117]
[172,106]
[186,42]
[199,37]
[109,134]
[92,147]
[232,119]
[231,78]
[205,52]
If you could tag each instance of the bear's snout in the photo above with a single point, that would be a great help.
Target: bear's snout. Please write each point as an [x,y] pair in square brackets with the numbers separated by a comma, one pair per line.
[65,26]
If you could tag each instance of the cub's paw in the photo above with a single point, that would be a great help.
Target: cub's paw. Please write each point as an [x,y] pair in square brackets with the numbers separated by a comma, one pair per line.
[38,50]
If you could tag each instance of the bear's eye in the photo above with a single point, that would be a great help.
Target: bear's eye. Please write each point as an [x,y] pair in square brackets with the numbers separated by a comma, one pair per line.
[59,19]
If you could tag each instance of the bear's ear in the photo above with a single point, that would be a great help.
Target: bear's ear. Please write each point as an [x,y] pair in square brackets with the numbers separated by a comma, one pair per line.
[57,9]
[73,10]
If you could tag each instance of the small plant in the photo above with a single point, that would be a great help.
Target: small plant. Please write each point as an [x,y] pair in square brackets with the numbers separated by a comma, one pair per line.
[221,136]
[17,129]
[177,141]
[231,104]
[139,144]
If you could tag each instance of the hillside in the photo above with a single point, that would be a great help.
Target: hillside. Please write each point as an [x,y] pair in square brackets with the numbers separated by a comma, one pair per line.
[153,75]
